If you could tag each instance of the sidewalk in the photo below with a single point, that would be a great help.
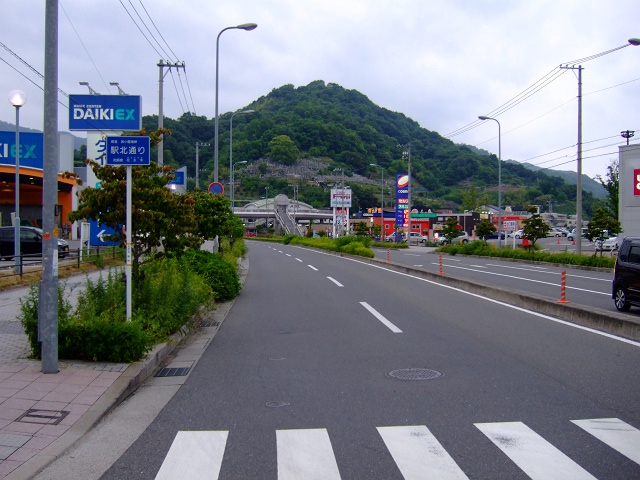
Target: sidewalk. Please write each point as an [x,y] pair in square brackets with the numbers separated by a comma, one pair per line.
[41,415]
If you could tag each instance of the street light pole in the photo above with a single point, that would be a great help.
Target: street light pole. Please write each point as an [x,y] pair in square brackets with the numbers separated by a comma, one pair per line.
[381,198]
[482,117]
[242,112]
[233,179]
[244,26]
[17,99]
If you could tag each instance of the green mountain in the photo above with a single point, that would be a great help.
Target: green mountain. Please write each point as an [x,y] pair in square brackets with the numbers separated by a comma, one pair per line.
[342,129]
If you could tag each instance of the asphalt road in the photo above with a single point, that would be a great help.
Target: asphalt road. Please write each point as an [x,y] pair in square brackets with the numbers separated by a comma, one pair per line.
[583,286]
[301,382]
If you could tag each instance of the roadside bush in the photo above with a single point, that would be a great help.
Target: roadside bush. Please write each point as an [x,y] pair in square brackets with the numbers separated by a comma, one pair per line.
[357,248]
[563,258]
[220,274]
[287,238]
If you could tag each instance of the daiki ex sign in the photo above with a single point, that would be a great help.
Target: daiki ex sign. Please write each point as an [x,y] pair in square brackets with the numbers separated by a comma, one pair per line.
[31,149]
[402,200]
[105,112]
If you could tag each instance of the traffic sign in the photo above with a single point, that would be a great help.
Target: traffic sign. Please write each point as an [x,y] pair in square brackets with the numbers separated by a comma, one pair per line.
[128,150]
[216,187]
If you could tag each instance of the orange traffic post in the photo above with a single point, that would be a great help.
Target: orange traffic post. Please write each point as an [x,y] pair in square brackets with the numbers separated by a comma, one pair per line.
[441,272]
[558,240]
[563,288]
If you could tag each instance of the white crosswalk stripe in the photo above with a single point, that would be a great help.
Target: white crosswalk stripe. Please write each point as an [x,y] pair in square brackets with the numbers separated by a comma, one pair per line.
[419,455]
[615,433]
[533,454]
[194,455]
[308,453]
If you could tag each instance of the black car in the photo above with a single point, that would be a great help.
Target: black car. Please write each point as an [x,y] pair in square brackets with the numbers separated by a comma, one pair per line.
[494,236]
[30,242]
[626,276]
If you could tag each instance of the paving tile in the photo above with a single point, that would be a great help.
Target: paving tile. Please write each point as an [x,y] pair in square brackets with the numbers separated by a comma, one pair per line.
[103,382]
[30,394]
[5,452]
[8,392]
[40,442]
[23,454]
[10,413]
[53,406]
[13,440]
[54,430]
[8,466]
[15,384]
[93,390]
[18,403]
[26,376]
[59,397]
[66,387]
[77,408]
[23,427]
[85,399]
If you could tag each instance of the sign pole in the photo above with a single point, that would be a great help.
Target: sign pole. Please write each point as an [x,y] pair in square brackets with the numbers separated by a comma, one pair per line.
[128,233]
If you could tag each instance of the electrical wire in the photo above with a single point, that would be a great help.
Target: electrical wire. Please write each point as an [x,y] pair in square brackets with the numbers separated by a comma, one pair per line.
[157,30]
[138,27]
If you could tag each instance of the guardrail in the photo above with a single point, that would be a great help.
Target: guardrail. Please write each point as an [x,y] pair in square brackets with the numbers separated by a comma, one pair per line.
[33,262]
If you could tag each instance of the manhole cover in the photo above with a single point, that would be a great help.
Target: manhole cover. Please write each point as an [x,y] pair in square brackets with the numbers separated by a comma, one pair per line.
[415,374]
[277,404]
[45,417]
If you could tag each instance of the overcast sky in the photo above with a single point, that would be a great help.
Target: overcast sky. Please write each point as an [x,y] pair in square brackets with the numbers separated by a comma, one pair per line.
[441,63]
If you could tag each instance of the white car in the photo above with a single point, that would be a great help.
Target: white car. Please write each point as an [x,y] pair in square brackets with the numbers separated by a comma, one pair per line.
[417,237]
[516,234]
[463,237]
[610,243]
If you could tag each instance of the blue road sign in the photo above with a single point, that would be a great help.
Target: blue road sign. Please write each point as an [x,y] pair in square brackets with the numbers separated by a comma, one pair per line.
[99,233]
[105,112]
[179,180]
[31,149]
[128,151]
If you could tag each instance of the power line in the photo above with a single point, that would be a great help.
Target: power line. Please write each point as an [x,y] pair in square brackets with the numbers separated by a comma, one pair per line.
[138,27]
[157,30]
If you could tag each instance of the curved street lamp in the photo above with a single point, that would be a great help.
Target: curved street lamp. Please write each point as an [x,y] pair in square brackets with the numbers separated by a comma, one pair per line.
[17,98]
[482,117]
[243,26]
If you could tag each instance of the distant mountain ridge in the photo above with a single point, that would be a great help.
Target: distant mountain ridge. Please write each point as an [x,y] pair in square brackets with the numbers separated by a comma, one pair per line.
[11,127]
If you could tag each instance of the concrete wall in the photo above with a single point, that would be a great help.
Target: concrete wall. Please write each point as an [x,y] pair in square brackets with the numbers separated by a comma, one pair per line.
[629,201]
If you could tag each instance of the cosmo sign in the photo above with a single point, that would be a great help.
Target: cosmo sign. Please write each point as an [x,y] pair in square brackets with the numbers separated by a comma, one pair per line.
[402,200]
[341,197]
[105,112]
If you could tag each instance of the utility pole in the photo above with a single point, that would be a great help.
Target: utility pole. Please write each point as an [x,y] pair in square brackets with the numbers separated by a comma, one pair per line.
[198,144]
[162,65]
[579,161]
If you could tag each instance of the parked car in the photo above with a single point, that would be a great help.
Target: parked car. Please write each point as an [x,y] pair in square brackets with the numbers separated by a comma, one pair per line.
[30,242]
[395,237]
[494,236]
[417,237]
[572,235]
[463,237]
[556,232]
[516,234]
[626,275]
[610,243]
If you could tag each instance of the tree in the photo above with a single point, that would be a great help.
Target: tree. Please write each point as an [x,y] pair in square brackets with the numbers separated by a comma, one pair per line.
[451,229]
[534,227]
[283,150]
[472,199]
[213,216]
[158,215]
[602,225]
[362,229]
[612,186]
[485,228]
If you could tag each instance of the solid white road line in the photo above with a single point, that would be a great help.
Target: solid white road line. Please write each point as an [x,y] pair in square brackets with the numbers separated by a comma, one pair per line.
[384,321]
[305,454]
[617,434]
[335,281]
[194,455]
[419,455]
[525,279]
[531,453]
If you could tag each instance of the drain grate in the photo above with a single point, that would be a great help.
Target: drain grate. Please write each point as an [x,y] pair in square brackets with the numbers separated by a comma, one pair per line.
[412,374]
[172,372]
[43,417]
[210,324]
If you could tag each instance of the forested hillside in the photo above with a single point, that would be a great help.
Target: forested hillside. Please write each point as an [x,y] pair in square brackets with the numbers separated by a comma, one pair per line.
[343,129]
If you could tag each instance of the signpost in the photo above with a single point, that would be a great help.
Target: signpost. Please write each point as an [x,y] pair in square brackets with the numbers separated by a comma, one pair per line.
[128,151]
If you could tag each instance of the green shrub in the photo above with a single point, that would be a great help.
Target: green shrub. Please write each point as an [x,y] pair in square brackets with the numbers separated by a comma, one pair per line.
[287,239]
[357,248]
[219,273]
